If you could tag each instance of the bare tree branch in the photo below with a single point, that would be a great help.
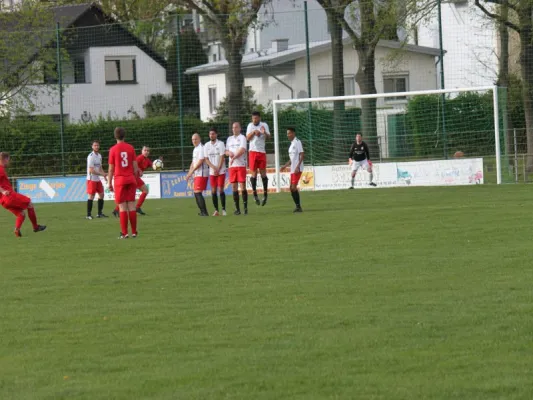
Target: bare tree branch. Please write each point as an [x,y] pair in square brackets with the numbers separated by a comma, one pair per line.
[497,17]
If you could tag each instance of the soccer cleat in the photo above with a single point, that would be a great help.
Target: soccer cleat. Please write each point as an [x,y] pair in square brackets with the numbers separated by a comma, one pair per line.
[18,233]
[216,214]
[264,200]
[372,184]
[245,211]
[237,212]
[224,213]
[134,235]
[257,201]
[351,187]
[140,211]
[115,213]
[40,228]
[203,214]
[101,216]
[89,217]
[123,236]
[298,210]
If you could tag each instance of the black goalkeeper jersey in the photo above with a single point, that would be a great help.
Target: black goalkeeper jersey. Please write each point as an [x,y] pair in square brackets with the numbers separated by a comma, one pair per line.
[359,152]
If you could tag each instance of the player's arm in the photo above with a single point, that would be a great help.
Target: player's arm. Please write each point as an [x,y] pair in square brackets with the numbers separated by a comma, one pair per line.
[250,132]
[111,170]
[208,162]
[352,150]
[367,152]
[139,161]
[301,157]
[4,192]
[265,131]
[195,166]
[222,160]
[135,168]
[241,150]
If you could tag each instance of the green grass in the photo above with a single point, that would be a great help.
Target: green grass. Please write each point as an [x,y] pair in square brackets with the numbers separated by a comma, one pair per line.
[415,293]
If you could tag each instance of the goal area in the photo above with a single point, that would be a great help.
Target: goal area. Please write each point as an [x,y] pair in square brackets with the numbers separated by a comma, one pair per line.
[433,137]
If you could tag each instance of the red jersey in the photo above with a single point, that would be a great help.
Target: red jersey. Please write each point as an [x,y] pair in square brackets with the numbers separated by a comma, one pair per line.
[122,156]
[143,162]
[4,180]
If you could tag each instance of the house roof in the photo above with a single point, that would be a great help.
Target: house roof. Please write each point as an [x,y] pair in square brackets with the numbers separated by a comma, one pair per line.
[272,58]
[70,16]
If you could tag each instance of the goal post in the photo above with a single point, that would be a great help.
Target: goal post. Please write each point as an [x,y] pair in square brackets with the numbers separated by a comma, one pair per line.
[409,126]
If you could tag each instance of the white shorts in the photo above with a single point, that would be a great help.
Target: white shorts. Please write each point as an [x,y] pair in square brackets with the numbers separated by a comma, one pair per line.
[360,164]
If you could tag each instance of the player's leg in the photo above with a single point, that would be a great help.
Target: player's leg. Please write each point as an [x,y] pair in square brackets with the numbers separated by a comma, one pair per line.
[213,180]
[91,192]
[355,167]
[101,201]
[241,178]
[131,190]
[262,164]
[19,217]
[295,178]
[120,200]
[33,218]
[200,184]
[144,192]
[235,189]
[370,173]
[221,184]
[116,211]
[253,173]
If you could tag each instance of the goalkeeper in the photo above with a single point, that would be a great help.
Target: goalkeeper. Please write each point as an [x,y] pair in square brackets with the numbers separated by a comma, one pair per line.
[360,158]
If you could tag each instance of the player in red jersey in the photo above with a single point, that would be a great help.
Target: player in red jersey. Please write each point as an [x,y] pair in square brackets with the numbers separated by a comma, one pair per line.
[143,163]
[123,170]
[15,202]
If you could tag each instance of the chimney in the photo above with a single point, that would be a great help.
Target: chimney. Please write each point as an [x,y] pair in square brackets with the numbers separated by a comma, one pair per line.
[280,45]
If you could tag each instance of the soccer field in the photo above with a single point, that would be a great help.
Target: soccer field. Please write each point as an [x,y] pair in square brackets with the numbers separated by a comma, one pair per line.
[415,293]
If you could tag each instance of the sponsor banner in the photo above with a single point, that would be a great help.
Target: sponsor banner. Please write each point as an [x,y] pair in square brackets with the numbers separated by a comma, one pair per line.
[54,190]
[153,181]
[174,185]
[466,171]
[306,183]
[334,177]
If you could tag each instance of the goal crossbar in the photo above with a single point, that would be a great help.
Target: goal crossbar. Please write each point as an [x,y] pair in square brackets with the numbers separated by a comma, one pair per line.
[494,90]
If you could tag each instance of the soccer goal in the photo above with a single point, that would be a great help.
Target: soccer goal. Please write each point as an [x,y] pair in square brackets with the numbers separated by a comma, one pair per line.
[451,136]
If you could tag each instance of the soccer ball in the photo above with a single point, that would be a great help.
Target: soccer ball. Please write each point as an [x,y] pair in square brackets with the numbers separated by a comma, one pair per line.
[157,165]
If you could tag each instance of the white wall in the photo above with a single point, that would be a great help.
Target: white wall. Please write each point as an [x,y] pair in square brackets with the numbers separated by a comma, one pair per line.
[470,41]
[99,99]
[204,83]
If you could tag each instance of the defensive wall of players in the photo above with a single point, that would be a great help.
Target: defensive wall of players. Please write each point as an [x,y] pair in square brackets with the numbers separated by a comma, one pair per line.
[465,171]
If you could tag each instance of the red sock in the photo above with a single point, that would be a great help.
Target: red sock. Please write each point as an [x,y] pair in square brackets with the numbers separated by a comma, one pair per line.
[33,217]
[18,222]
[124,222]
[116,208]
[141,199]
[133,221]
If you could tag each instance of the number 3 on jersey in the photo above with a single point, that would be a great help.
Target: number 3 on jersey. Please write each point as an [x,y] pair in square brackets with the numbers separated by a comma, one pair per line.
[124,157]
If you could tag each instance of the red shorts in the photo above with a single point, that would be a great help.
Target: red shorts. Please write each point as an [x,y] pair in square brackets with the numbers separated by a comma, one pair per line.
[94,187]
[125,188]
[217,181]
[140,183]
[295,178]
[15,202]
[257,160]
[237,174]
[200,183]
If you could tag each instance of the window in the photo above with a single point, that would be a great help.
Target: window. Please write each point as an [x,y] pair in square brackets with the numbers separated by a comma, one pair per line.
[79,71]
[325,86]
[120,69]
[214,57]
[212,99]
[395,83]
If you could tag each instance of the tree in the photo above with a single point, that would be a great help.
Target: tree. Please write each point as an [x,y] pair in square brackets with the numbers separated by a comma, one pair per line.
[191,55]
[517,15]
[335,11]
[27,57]
[231,20]
[249,105]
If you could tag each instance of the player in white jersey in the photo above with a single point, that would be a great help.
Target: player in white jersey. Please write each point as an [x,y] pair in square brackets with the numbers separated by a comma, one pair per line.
[257,133]
[95,174]
[236,151]
[215,158]
[296,161]
[200,171]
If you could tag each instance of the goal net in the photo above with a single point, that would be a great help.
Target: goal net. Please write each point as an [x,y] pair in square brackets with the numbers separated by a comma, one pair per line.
[438,137]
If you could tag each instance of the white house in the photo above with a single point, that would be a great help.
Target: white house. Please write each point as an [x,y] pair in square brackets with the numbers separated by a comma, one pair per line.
[470,39]
[109,72]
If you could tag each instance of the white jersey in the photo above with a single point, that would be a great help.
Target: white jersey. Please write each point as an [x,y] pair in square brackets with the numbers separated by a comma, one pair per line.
[94,160]
[257,143]
[215,153]
[198,155]
[294,154]
[233,144]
